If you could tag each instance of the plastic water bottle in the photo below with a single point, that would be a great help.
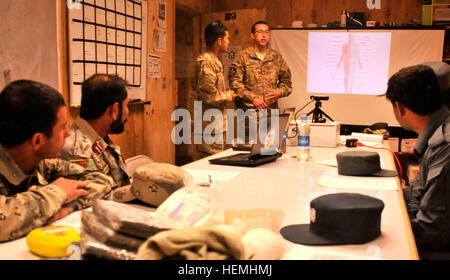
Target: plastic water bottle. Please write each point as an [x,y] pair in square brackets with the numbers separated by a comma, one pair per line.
[343,18]
[303,140]
[283,144]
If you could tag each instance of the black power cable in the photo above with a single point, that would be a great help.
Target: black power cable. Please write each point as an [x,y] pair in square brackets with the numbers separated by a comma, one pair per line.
[295,118]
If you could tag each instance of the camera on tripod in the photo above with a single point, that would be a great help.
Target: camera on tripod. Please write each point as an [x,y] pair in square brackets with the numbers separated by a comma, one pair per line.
[318,98]
[317,112]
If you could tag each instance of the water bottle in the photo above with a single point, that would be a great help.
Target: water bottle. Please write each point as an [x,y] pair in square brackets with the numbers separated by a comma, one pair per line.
[303,140]
[283,144]
[343,19]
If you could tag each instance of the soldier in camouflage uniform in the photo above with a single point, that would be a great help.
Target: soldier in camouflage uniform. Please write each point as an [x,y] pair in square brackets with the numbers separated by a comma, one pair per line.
[35,187]
[209,85]
[259,75]
[103,111]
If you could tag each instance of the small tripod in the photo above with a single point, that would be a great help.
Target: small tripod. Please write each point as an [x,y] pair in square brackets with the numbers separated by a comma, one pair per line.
[317,114]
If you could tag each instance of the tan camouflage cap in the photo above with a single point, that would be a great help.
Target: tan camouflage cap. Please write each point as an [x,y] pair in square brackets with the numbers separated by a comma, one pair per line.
[153,183]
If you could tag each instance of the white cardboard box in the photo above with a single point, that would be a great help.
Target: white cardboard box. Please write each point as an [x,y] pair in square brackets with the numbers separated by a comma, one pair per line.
[324,134]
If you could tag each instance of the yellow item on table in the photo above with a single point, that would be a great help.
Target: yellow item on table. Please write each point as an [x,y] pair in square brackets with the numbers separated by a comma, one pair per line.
[52,241]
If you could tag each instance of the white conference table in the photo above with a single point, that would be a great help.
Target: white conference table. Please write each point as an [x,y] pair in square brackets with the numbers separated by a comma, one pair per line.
[289,185]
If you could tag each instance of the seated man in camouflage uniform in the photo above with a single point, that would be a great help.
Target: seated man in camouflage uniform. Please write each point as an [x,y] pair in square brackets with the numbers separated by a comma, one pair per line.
[209,85]
[35,187]
[104,111]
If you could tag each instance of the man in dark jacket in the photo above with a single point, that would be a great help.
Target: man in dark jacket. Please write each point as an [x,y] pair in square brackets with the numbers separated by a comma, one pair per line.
[416,93]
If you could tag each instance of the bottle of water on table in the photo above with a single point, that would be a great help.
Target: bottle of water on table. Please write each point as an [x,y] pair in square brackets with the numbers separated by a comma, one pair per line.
[283,144]
[303,140]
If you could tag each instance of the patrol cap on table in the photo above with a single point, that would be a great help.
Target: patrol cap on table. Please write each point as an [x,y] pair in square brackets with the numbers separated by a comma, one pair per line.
[152,183]
[361,163]
[335,219]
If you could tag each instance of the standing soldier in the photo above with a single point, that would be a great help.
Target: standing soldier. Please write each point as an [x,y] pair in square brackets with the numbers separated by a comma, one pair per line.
[36,188]
[258,74]
[208,84]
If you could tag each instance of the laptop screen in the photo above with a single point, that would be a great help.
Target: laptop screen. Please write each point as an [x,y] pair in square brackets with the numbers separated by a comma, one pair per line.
[270,133]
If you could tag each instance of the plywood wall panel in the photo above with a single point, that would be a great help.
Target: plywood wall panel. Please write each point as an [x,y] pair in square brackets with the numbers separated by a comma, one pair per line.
[161,92]
[194,7]
[283,12]
[239,29]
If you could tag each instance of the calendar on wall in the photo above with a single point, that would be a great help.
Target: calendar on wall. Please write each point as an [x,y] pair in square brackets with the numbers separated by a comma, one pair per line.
[108,36]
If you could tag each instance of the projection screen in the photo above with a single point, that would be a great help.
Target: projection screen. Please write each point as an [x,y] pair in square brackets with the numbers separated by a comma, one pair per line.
[352,67]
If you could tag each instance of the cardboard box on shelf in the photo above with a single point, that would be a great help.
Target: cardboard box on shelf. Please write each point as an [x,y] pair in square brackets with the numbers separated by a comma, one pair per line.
[393,142]
[407,145]
[436,14]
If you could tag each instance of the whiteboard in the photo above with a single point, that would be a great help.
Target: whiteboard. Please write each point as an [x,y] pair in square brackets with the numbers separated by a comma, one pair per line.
[108,37]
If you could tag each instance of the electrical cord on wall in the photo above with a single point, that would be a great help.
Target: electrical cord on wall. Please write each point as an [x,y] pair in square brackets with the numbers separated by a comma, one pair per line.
[295,118]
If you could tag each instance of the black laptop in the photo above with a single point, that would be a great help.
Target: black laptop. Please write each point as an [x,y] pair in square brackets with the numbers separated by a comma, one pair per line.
[263,151]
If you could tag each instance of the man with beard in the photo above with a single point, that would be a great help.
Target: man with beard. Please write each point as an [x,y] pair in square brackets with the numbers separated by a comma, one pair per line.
[36,188]
[104,110]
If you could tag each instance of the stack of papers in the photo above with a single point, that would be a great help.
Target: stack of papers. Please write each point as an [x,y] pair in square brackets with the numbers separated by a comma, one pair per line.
[300,252]
[206,177]
[353,182]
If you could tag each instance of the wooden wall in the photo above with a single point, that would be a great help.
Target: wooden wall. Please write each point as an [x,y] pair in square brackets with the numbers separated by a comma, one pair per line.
[149,126]
[184,59]
[194,7]
[239,28]
[161,92]
[283,12]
